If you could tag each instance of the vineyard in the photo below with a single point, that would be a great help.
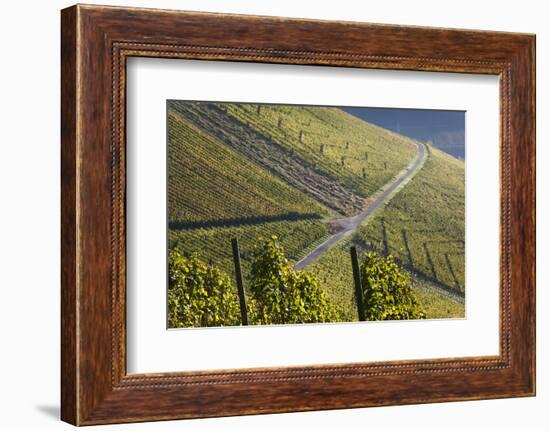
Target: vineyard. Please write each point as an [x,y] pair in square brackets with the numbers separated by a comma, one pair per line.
[360,156]
[248,171]
[423,228]
[424,225]
[229,177]
[215,194]
[213,183]
[214,244]
[437,302]
[202,295]
[329,155]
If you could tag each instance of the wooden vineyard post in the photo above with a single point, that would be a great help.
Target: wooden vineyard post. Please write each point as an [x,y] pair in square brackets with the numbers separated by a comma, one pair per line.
[239,279]
[358,284]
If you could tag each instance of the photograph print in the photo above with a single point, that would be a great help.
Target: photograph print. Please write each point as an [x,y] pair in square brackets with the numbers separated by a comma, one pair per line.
[293,214]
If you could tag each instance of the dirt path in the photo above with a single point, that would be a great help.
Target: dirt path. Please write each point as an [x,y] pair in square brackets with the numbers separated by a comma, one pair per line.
[349,224]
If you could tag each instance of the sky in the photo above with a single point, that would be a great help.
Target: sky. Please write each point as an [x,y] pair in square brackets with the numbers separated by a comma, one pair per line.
[446,129]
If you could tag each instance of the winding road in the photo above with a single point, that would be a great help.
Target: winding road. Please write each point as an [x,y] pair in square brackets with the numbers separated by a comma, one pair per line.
[349,224]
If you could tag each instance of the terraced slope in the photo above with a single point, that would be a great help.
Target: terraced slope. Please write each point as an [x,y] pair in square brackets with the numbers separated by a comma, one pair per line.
[215,194]
[356,154]
[245,171]
[210,183]
[327,154]
[423,227]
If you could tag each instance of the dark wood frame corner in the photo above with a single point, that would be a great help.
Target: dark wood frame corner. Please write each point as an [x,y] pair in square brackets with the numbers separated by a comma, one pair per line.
[96,41]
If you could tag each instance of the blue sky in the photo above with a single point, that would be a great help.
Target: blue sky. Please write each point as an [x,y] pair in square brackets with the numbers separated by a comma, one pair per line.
[446,129]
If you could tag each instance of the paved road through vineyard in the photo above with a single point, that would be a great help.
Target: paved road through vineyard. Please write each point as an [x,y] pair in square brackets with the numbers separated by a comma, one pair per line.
[350,224]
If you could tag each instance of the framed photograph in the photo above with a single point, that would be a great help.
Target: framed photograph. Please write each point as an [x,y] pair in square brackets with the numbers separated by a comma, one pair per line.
[266,215]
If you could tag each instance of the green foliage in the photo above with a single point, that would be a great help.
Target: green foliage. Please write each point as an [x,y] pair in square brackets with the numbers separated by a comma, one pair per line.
[437,303]
[423,228]
[335,275]
[211,181]
[282,295]
[423,225]
[387,291]
[199,294]
[208,182]
[335,278]
[324,137]
[214,243]
[227,196]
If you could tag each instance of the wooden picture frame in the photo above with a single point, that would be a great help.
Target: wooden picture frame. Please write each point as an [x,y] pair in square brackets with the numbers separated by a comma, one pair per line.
[95,43]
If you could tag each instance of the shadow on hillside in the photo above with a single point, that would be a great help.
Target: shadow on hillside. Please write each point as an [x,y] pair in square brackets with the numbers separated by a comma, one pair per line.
[242,221]
[363,245]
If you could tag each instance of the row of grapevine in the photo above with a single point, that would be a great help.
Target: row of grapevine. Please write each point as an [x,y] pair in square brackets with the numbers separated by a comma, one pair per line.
[208,181]
[424,225]
[245,171]
[214,194]
[423,228]
[200,294]
[326,136]
[211,243]
[274,158]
